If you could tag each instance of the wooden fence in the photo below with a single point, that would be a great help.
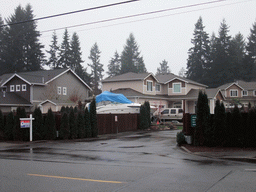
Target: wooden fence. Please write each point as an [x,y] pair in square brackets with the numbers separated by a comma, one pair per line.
[115,123]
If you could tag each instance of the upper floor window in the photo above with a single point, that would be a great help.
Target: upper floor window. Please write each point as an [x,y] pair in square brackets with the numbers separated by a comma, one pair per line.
[64,90]
[149,85]
[176,87]
[233,93]
[17,87]
[245,93]
[12,88]
[158,87]
[254,92]
[24,87]
[59,90]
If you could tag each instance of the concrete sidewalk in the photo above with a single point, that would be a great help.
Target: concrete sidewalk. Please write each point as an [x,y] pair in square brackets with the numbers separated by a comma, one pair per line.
[240,155]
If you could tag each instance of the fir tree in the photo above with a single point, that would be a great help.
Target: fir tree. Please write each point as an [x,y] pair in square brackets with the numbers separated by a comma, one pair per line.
[76,54]
[96,68]
[18,133]
[38,126]
[64,126]
[199,54]
[54,51]
[65,52]
[93,118]
[8,129]
[131,61]
[219,125]
[50,126]
[114,65]
[80,125]
[164,68]
[88,132]
[72,124]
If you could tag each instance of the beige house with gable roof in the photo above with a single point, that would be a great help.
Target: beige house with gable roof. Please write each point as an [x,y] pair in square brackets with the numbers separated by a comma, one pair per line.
[162,91]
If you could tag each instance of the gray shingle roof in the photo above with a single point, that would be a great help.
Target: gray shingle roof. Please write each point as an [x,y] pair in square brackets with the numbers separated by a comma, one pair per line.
[127,77]
[13,99]
[243,84]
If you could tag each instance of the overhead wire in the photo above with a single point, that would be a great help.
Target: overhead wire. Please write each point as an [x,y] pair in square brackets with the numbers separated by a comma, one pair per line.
[68,13]
[135,15]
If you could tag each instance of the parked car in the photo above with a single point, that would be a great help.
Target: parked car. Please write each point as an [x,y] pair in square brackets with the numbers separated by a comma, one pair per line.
[170,114]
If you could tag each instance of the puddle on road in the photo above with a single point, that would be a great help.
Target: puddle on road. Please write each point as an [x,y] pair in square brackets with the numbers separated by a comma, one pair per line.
[26,150]
[139,146]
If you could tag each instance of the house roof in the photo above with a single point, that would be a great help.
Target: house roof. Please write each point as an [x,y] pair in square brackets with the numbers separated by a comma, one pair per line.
[242,84]
[38,77]
[130,76]
[12,99]
[166,78]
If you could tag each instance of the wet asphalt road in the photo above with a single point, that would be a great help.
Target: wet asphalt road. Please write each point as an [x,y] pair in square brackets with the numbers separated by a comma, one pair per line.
[130,162]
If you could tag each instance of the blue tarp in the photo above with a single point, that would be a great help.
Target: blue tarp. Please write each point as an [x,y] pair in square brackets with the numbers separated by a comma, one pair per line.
[113,97]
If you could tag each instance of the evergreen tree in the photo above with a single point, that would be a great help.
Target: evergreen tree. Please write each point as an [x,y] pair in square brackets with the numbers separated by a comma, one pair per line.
[131,61]
[93,118]
[76,54]
[199,54]
[8,128]
[1,125]
[147,107]
[250,63]
[143,118]
[237,55]
[114,65]
[220,58]
[237,129]
[38,126]
[219,125]
[50,125]
[164,68]
[65,52]
[202,130]
[88,132]
[54,51]
[23,51]
[182,72]
[96,68]
[80,125]
[64,126]
[18,133]
[251,129]
[72,124]
[2,62]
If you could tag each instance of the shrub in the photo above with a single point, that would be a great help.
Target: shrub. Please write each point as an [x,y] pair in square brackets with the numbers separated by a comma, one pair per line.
[38,125]
[72,124]
[80,125]
[93,118]
[50,125]
[8,128]
[180,138]
[87,126]
[64,127]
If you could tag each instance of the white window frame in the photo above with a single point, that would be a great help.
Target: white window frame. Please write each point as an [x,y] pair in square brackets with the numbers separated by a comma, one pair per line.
[233,90]
[64,91]
[158,90]
[24,87]
[59,90]
[148,86]
[173,84]
[245,91]
[12,89]
[17,87]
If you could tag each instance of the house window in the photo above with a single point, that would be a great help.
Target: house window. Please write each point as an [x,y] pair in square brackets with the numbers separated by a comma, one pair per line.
[245,93]
[233,93]
[24,87]
[176,88]
[59,90]
[12,88]
[17,87]
[149,86]
[254,92]
[158,87]
[64,90]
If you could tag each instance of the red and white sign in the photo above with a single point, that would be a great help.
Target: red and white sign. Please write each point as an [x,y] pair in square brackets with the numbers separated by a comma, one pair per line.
[24,123]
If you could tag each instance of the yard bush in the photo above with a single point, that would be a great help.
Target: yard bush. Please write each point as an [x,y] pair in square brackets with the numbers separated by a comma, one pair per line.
[1,126]
[64,127]
[49,126]
[80,125]
[93,118]
[87,125]
[8,128]
[72,124]
[38,124]
[180,138]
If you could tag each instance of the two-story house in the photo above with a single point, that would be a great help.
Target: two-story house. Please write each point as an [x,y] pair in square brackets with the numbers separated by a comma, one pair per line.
[162,91]
[45,89]
[239,93]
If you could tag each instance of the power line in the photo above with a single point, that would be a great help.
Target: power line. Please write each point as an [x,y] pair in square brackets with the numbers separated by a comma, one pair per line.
[136,15]
[72,12]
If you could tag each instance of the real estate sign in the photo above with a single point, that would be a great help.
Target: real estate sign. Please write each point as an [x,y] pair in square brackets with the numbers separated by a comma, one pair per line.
[24,123]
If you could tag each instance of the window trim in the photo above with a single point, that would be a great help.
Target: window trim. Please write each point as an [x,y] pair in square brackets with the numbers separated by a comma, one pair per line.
[64,90]
[231,90]
[173,87]
[12,89]
[24,87]
[148,81]
[245,94]
[18,88]
[158,84]
[59,90]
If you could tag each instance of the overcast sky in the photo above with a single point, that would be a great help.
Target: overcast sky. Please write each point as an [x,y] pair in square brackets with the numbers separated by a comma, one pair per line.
[160,36]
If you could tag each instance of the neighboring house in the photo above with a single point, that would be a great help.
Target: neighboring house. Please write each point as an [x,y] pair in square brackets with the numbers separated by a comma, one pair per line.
[239,93]
[45,89]
[162,91]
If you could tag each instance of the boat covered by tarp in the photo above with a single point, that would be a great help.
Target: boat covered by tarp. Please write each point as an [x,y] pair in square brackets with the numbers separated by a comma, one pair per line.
[109,97]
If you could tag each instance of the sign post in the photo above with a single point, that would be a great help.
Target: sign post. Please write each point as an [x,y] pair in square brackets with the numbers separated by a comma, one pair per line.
[27,123]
